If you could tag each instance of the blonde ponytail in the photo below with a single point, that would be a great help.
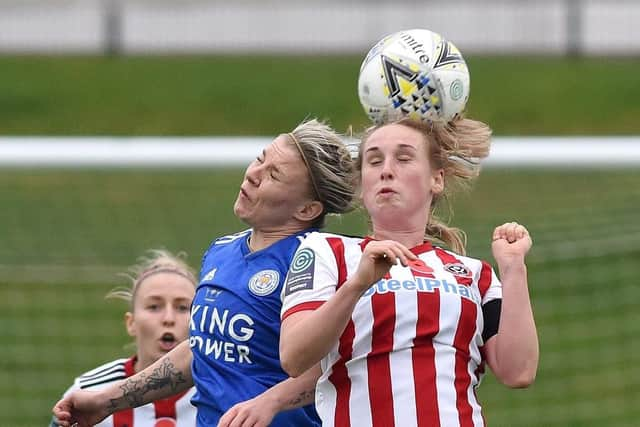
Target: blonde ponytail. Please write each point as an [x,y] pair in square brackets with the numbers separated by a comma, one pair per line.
[439,232]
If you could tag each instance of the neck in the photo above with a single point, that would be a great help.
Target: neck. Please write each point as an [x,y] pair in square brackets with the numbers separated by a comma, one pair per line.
[410,236]
[261,239]
[141,364]
[400,225]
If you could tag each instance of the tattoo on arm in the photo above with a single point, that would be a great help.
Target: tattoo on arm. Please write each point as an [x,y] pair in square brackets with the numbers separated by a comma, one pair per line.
[133,391]
[304,398]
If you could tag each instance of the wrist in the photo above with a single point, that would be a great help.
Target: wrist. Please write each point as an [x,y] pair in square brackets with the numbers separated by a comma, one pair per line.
[113,399]
[272,398]
[109,403]
[354,288]
[277,402]
[512,266]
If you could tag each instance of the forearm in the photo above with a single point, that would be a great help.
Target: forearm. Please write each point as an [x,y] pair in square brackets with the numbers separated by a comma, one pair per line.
[289,394]
[303,343]
[295,392]
[516,346]
[169,375]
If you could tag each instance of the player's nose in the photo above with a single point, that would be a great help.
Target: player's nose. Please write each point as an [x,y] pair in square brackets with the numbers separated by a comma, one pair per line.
[169,316]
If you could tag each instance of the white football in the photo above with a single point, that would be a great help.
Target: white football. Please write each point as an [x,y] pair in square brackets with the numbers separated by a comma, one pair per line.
[414,73]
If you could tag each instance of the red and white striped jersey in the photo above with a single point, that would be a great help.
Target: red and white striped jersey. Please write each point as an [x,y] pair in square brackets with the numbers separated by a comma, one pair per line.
[176,411]
[411,355]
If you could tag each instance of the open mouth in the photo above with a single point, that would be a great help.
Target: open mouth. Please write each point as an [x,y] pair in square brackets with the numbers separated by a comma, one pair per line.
[168,341]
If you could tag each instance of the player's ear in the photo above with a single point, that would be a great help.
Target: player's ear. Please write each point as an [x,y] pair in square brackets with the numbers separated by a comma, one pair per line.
[130,324]
[309,211]
[437,181]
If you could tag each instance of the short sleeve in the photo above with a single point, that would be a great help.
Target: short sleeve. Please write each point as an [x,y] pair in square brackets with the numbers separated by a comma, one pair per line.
[312,276]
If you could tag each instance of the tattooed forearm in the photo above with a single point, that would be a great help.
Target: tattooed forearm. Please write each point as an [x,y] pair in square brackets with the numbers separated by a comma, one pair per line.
[165,376]
[304,398]
[134,390]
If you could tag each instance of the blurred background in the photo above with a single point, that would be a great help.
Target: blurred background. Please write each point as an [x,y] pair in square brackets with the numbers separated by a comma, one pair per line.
[192,68]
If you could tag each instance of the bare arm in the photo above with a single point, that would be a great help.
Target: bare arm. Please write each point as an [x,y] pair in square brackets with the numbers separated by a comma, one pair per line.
[513,353]
[298,392]
[289,394]
[169,375]
[302,343]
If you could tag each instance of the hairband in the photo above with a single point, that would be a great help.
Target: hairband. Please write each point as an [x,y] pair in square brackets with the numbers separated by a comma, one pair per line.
[304,158]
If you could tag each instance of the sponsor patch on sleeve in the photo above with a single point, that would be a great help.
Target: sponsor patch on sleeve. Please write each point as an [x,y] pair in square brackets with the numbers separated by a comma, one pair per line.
[300,275]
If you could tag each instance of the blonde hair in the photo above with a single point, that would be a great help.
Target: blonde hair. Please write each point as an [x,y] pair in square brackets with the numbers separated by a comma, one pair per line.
[155,261]
[457,148]
[330,166]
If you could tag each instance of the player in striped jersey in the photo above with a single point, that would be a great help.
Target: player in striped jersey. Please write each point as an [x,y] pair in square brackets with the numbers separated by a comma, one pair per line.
[402,327]
[232,354]
[159,298]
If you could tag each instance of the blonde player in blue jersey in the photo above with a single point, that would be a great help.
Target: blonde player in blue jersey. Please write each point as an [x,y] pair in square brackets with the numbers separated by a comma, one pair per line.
[160,295]
[232,353]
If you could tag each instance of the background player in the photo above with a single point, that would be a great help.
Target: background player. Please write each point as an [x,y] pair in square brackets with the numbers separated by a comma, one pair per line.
[160,297]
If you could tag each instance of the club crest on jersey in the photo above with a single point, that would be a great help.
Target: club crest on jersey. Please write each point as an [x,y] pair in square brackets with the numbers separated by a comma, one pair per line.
[264,282]
[165,422]
[458,269]
[300,275]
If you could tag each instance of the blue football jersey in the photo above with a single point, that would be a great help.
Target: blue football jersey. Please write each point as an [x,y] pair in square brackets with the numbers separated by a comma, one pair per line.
[235,327]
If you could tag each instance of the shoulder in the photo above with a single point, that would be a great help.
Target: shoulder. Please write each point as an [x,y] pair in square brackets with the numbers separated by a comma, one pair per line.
[230,240]
[460,264]
[329,248]
[284,249]
[320,239]
[103,374]
[476,263]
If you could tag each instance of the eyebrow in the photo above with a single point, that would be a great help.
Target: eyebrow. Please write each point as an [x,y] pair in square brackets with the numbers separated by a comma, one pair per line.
[162,297]
[374,148]
[404,146]
[273,167]
[401,146]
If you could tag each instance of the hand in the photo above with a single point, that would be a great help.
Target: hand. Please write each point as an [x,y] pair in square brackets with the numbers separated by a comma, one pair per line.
[81,408]
[256,412]
[377,259]
[511,242]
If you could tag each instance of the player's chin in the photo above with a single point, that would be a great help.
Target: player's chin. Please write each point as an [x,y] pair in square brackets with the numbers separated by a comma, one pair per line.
[241,207]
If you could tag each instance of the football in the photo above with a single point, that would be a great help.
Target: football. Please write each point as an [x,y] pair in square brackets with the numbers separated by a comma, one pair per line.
[415,73]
